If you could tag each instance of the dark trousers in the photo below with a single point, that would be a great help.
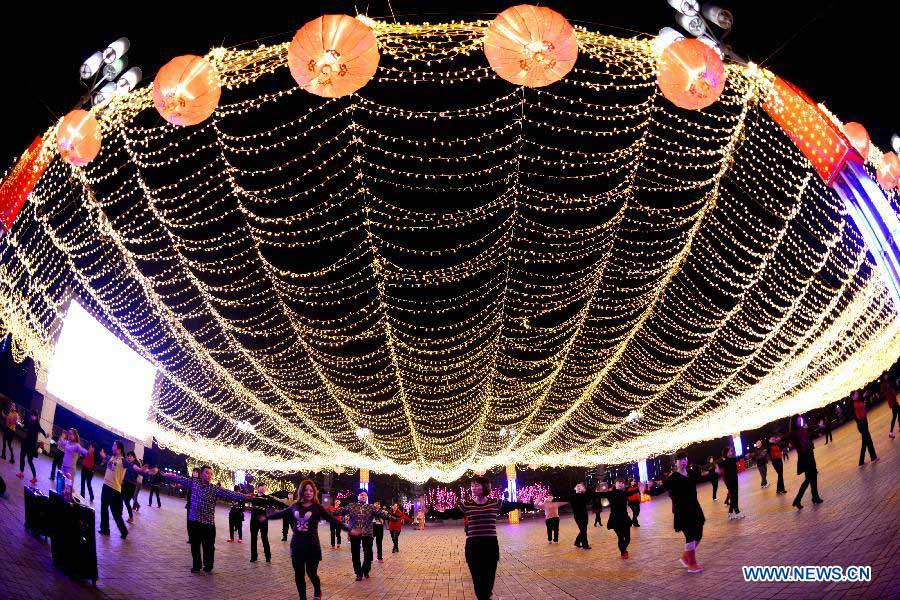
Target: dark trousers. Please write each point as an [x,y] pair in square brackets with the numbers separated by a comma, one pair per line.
[154,490]
[56,464]
[378,534]
[778,465]
[635,511]
[867,444]
[828,436]
[395,538]
[810,480]
[29,455]
[87,475]
[127,496]
[552,529]
[8,436]
[895,416]
[335,535]
[763,471]
[285,527]
[732,496]
[715,486]
[366,542]
[597,520]
[235,524]
[482,556]
[260,529]
[582,522]
[623,532]
[111,502]
[311,567]
[203,544]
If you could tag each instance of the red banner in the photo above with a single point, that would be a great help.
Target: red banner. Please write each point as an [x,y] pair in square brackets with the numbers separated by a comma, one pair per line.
[20,182]
[814,133]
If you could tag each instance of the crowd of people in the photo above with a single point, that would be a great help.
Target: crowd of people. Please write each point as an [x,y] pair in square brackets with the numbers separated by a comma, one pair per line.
[364,521]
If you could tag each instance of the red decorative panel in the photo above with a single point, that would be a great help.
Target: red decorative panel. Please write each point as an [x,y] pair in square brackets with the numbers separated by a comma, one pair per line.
[816,136]
[20,182]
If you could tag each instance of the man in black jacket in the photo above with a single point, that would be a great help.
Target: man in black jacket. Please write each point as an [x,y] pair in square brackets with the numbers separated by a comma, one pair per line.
[260,528]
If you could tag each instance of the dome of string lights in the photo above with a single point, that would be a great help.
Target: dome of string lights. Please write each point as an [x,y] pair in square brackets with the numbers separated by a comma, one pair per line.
[444,271]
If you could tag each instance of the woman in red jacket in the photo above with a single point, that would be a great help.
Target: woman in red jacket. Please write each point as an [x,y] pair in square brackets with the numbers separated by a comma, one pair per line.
[395,527]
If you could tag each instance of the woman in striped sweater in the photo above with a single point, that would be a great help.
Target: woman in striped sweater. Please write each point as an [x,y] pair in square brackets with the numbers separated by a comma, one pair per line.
[482,549]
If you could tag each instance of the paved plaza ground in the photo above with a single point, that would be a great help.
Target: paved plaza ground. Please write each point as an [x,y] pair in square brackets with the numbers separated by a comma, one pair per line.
[859,524]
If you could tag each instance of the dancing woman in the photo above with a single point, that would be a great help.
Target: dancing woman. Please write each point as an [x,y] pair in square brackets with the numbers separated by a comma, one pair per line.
[30,446]
[395,527]
[482,548]
[798,435]
[618,520]
[551,517]
[579,502]
[306,552]
[689,518]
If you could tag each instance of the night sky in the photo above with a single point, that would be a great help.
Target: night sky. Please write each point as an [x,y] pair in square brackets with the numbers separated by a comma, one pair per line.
[839,52]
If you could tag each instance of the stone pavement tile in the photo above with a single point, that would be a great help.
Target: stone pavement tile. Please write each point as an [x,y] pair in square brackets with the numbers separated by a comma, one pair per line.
[859,524]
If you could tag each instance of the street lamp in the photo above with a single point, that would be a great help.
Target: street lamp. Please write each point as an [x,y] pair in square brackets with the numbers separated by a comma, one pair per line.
[702,24]
[99,72]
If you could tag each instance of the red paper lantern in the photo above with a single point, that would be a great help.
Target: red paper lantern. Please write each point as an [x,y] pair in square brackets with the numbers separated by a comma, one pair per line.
[888,173]
[78,137]
[186,90]
[859,138]
[530,45]
[21,180]
[333,56]
[691,74]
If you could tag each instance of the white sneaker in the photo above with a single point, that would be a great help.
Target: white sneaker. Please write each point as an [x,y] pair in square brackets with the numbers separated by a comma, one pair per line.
[739,516]
[730,516]
[891,435]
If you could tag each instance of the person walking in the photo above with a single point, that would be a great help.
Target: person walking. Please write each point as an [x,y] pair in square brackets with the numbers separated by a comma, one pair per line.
[551,517]
[259,528]
[30,447]
[728,466]
[201,515]
[396,526]
[306,551]
[688,515]
[335,531]
[633,491]
[87,471]
[482,547]
[777,464]
[862,424]
[9,432]
[360,515]
[889,392]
